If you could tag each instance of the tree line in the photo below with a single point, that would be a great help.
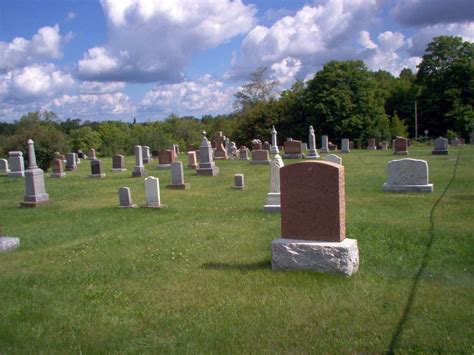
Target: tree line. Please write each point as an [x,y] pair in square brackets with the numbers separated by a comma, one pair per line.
[343,100]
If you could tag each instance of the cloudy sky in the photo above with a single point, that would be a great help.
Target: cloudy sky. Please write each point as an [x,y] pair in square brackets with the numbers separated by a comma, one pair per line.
[119,59]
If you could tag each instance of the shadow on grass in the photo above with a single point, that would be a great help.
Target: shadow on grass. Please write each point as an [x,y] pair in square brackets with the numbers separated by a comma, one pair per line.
[259,265]
[424,262]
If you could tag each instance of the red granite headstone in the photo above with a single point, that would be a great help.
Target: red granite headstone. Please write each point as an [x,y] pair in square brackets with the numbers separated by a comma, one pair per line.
[166,157]
[58,166]
[313,201]
[220,152]
[332,146]
[400,145]
[260,155]
[293,147]
[256,146]
[266,146]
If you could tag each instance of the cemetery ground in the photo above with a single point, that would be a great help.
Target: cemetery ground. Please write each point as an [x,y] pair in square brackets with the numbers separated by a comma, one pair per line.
[196,276]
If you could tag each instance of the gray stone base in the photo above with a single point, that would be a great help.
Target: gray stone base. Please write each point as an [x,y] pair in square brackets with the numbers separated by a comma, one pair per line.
[328,257]
[129,206]
[322,150]
[119,170]
[147,161]
[16,174]
[407,188]
[185,186]
[272,208]
[208,172]
[33,204]
[401,153]
[238,187]
[439,152]
[260,162]
[274,150]
[312,153]
[163,166]
[192,166]
[58,175]
[9,243]
[293,156]
[97,176]
[153,206]
[139,173]
[345,151]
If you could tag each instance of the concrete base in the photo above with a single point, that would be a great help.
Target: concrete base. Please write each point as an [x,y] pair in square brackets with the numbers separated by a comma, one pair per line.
[154,206]
[238,187]
[129,206]
[139,173]
[58,175]
[274,150]
[322,150]
[16,174]
[439,152]
[260,162]
[312,154]
[9,243]
[97,176]
[119,170]
[163,166]
[293,156]
[329,257]
[185,186]
[400,153]
[272,208]
[33,204]
[407,188]
[208,171]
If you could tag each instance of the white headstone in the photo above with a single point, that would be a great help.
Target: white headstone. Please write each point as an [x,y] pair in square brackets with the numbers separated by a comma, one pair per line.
[407,175]
[273,197]
[274,146]
[333,158]
[345,146]
[324,144]
[4,166]
[17,164]
[152,193]
[34,181]
[312,153]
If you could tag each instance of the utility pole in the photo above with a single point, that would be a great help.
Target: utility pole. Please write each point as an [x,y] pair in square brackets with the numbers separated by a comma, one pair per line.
[416,121]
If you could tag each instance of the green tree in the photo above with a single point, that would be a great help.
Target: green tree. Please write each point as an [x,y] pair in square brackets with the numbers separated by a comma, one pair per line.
[397,126]
[84,138]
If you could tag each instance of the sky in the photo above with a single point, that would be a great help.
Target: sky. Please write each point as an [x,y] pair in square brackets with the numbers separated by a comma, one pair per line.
[147,59]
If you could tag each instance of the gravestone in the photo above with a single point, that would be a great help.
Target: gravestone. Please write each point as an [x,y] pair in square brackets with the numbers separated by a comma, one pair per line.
[139,169]
[226,144]
[345,146]
[125,198]
[304,146]
[384,145]
[351,145]
[71,161]
[92,154]
[118,163]
[455,142]
[274,147]
[155,153]
[16,163]
[313,152]
[244,153]
[165,158]
[206,167]
[260,157]
[332,146]
[80,154]
[34,181]
[256,144]
[175,149]
[333,158]
[8,243]
[152,193]
[177,177]
[192,160]
[220,153]
[266,146]
[4,166]
[313,230]
[273,197]
[401,145]
[58,171]
[232,150]
[239,183]
[407,175]
[371,144]
[96,169]
[441,146]
[293,150]
[147,159]
[324,144]
[191,148]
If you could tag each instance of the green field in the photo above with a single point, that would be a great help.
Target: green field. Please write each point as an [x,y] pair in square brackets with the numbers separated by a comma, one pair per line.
[196,277]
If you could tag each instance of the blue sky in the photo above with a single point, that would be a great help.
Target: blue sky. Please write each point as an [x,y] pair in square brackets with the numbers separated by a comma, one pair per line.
[147,59]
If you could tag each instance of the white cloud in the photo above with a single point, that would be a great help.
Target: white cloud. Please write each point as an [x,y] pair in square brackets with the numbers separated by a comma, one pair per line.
[44,45]
[286,71]
[203,96]
[365,41]
[153,40]
[391,41]
[96,87]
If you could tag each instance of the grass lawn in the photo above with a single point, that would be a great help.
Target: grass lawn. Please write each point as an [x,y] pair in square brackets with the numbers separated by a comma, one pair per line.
[196,277]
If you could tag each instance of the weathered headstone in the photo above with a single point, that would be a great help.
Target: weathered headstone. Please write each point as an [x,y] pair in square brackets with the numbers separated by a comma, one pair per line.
[96,169]
[4,166]
[273,197]
[313,230]
[34,181]
[401,145]
[177,177]
[80,154]
[455,142]
[371,144]
[232,150]
[118,163]
[293,150]
[266,146]
[441,146]
[206,167]
[58,171]
[239,183]
[407,175]
[17,164]
[332,146]
[274,147]
[313,152]
[165,158]
[384,145]
[256,144]
[71,161]
[260,157]
[333,158]
[152,193]
[324,144]
[192,160]
[139,169]
[8,243]
[345,146]
[244,153]
[125,198]
[147,159]
[221,153]
[175,149]
[92,154]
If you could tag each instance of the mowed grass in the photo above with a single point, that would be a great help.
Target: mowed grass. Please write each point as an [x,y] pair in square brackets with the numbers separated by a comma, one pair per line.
[196,277]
